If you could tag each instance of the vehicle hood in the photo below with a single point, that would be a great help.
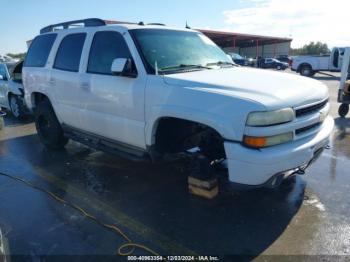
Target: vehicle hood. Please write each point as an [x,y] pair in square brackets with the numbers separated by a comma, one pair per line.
[271,89]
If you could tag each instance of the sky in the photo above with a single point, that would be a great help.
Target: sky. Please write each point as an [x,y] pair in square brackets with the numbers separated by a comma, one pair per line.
[303,20]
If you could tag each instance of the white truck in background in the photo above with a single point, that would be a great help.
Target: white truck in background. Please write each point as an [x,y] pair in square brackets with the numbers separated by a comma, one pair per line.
[310,65]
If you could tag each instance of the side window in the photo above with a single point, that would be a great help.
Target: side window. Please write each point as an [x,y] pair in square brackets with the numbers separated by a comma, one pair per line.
[39,50]
[3,71]
[69,52]
[106,47]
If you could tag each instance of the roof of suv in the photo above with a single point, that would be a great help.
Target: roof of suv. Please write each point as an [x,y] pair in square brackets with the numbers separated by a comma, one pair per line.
[99,23]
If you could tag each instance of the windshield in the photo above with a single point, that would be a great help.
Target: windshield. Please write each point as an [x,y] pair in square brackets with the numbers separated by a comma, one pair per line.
[171,50]
[10,67]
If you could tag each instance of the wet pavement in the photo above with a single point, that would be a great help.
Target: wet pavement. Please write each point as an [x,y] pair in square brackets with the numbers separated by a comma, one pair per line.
[151,205]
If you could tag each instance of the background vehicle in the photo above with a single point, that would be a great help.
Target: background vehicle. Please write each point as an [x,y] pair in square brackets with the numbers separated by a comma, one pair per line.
[285,59]
[147,92]
[2,114]
[238,59]
[310,65]
[272,63]
[11,88]
[344,85]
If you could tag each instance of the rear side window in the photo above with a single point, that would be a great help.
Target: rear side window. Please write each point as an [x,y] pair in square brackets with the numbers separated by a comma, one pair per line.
[69,53]
[39,50]
[106,47]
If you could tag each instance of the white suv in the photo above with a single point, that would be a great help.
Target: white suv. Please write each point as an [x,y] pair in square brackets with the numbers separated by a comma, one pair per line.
[150,91]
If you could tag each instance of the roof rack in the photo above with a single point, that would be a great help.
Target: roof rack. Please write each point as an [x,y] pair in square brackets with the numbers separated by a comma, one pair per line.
[87,23]
[160,24]
[90,22]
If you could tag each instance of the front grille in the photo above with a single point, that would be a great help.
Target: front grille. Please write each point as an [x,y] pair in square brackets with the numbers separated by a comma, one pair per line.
[310,109]
[306,129]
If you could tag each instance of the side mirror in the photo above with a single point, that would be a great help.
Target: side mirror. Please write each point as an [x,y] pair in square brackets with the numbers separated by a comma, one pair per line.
[3,78]
[124,67]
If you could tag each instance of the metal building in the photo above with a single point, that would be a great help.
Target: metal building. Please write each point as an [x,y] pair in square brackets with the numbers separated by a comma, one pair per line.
[250,45]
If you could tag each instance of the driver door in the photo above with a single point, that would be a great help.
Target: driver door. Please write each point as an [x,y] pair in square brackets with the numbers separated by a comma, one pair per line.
[115,106]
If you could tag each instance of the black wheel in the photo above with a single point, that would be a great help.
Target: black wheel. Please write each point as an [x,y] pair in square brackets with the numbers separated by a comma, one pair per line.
[278,67]
[343,110]
[306,70]
[16,106]
[49,129]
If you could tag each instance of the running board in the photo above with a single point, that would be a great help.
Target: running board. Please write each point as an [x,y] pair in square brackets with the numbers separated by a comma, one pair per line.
[106,145]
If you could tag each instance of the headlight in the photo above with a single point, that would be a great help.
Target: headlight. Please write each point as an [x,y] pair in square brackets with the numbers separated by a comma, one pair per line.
[259,142]
[270,118]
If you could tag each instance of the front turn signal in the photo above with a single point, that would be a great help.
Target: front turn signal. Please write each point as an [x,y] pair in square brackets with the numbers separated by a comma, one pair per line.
[259,142]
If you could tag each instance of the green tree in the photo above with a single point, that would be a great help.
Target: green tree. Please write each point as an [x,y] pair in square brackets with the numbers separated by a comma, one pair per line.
[19,56]
[313,48]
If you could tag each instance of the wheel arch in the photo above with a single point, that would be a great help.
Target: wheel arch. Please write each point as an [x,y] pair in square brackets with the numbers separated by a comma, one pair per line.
[153,125]
[304,64]
[175,135]
[37,97]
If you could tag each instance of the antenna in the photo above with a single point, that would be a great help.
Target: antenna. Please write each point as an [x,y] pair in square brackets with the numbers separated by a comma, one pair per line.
[187,26]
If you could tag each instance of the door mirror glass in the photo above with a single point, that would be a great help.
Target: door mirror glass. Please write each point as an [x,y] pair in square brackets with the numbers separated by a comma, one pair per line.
[123,67]
[118,66]
[4,78]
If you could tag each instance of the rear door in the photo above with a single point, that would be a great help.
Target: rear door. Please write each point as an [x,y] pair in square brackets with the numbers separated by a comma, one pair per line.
[116,103]
[65,80]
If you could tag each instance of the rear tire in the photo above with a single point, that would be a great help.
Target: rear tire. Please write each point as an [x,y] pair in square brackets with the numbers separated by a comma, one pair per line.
[306,70]
[343,110]
[49,129]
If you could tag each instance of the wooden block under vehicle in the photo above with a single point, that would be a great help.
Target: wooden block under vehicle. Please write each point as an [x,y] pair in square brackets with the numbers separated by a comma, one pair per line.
[203,188]
[209,194]
[205,184]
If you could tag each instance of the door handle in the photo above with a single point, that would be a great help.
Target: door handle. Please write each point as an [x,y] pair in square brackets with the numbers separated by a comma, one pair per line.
[85,86]
[52,81]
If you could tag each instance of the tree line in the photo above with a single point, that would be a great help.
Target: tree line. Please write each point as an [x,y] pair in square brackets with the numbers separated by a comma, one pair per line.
[19,56]
[313,48]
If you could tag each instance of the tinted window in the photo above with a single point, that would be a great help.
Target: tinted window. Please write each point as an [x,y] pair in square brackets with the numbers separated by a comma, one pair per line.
[69,53]
[106,47]
[39,50]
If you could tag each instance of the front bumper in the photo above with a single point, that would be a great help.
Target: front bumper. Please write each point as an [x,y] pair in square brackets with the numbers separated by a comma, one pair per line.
[256,167]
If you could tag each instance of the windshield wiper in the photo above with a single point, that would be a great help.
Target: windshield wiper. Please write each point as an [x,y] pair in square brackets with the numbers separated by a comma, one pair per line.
[183,66]
[221,63]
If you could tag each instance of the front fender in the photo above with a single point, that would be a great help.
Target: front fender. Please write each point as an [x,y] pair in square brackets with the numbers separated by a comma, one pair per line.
[215,107]
[15,88]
